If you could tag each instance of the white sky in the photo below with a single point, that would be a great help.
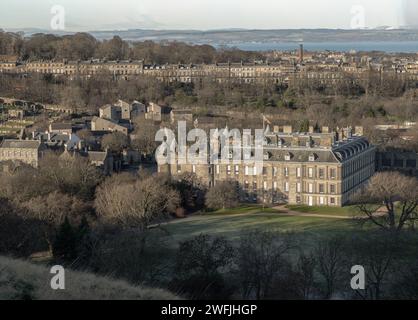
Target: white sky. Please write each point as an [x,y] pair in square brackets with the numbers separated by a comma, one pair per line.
[200,14]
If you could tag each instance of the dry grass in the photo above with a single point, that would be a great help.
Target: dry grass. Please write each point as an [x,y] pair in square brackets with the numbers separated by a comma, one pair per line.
[23,280]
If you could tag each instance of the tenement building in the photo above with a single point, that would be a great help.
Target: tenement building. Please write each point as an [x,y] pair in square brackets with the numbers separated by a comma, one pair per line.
[315,169]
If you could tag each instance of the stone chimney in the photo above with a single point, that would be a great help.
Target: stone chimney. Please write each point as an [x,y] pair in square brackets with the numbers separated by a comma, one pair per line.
[327,140]
[311,129]
[295,141]
[287,129]
[359,131]
[301,53]
[348,133]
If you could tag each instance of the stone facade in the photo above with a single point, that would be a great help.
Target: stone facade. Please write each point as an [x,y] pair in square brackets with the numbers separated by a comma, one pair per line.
[99,124]
[24,151]
[315,169]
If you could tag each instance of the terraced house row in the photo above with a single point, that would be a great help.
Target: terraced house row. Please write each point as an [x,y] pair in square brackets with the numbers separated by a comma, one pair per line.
[257,72]
[315,169]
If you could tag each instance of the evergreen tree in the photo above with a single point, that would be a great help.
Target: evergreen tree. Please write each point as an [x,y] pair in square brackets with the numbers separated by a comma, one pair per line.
[83,242]
[65,244]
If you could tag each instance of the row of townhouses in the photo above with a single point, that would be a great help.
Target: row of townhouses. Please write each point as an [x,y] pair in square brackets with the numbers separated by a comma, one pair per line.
[257,72]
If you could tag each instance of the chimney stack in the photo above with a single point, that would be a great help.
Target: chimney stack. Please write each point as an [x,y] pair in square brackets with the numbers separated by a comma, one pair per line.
[359,131]
[301,52]
[287,129]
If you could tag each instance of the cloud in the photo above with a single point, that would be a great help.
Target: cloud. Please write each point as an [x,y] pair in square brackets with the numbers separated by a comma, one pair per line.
[205,14]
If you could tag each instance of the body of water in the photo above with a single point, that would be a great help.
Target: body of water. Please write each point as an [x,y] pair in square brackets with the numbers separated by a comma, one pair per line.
[385,46]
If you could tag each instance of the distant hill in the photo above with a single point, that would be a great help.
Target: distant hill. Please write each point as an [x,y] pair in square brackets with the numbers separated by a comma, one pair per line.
[23,280]
[231,36]
[219,37]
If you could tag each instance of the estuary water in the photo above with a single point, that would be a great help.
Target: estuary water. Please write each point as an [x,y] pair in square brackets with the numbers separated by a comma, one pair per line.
[385,46]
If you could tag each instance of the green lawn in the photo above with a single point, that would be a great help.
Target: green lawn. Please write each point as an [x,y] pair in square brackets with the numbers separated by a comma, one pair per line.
[246,209]
[349,211]
[232,226]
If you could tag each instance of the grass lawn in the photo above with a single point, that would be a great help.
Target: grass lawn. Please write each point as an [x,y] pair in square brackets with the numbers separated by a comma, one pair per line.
[349,211]
[233,225]
[246,209]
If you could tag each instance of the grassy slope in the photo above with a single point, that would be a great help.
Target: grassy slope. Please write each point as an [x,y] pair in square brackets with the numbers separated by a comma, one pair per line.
[23,280]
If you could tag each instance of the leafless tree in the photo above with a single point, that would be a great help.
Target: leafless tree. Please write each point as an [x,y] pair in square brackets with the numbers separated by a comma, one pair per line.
[115,142]
[54,208]
[397,193]
[377,252]
[330,256]
[223,195]
[136,203]
[259,260]
[144,136]
[69,173]
[305,275]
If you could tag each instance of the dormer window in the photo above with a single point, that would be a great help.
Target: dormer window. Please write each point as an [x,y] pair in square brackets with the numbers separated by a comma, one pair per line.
[313,157]
[287,157]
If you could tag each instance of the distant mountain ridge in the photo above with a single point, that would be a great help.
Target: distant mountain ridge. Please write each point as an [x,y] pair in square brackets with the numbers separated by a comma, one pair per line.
[231,36]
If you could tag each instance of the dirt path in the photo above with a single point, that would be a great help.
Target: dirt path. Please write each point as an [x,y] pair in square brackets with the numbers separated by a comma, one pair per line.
[287,212]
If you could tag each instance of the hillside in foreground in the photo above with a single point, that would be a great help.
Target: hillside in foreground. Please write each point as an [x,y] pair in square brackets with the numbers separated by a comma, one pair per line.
[24,280]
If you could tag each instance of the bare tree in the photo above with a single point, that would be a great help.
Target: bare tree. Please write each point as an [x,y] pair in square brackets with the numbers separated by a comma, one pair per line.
[200,264]
[260,258]
[135,203]
[330,257]
[70,174]
[54,208]
[223,195]
[305,275]
[377,253]
[115,142]
[399,195]
[144,136]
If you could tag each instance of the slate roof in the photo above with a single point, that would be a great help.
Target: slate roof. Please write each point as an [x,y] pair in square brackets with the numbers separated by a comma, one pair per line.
[21,144]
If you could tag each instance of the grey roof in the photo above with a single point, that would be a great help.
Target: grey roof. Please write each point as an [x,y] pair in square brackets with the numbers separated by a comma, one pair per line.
[300,155]
[61,126]
[54,137]
[21,144]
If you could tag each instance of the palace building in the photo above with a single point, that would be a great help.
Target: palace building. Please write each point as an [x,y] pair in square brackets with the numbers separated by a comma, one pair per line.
[315,169]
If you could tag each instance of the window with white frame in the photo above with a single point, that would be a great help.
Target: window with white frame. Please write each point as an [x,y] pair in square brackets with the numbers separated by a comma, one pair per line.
[311,188]
[310,172]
